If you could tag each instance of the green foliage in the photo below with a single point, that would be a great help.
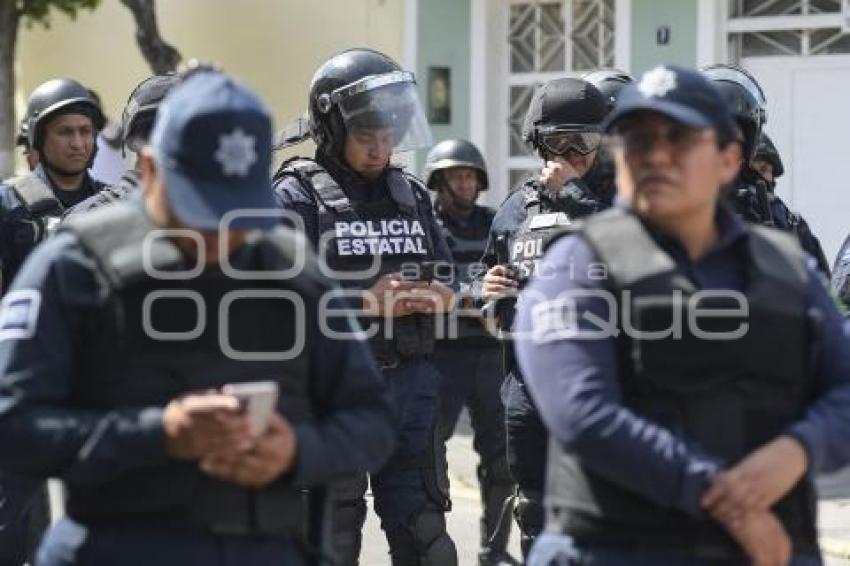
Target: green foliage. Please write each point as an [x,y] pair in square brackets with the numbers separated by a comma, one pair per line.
[38,11]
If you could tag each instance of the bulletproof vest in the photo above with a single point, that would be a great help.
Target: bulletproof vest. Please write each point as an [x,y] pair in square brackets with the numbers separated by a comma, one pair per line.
[389,234]
[541,223]
[545,217]
[163,333]
[725,396]
[44,209]
[467,249]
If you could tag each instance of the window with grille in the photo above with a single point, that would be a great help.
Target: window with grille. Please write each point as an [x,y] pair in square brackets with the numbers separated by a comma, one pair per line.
[547,40]
[765,28]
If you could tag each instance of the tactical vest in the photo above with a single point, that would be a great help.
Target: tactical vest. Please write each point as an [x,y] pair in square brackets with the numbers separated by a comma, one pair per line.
[725,396]
[466,256]
[544,218]
[45,210]
[149,354]
[389,234]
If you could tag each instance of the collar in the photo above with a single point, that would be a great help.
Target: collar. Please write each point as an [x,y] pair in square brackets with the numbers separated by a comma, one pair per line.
[731,230]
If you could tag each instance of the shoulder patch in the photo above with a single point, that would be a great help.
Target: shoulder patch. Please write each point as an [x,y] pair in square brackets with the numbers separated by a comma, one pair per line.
[19,313]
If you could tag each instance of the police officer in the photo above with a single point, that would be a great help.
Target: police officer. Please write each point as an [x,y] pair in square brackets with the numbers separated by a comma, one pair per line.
[562,125]
[122,329]
[768,164]
[673,352]
[372,221]
[750,194]
[136,125]
[468,359]
[63,122]
[609,82]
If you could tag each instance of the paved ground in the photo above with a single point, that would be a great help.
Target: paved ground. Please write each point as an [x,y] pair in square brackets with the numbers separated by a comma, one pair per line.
[834,517]
[463,520]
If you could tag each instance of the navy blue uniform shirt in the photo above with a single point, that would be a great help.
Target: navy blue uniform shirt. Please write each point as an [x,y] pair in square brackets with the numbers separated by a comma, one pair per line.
[575,382]
[43,434]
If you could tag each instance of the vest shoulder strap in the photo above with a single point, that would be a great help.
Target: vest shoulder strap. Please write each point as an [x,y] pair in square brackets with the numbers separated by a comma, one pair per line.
[284,249]
[778,255]
[531,197]
[117,237]
[36,196]
[403,191]
[317,180]
[624,245]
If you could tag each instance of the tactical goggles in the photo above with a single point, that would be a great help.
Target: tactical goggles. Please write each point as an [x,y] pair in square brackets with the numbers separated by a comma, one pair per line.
[561,142]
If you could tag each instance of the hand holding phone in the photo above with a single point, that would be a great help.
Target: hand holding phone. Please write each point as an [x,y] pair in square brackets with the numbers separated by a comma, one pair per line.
[257,399]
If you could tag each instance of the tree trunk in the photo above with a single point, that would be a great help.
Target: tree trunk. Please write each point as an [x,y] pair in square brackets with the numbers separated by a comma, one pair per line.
[9,17]
[161,56]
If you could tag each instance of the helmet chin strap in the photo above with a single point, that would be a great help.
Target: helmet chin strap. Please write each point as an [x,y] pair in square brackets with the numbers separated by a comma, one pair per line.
[58,171]
[460,203]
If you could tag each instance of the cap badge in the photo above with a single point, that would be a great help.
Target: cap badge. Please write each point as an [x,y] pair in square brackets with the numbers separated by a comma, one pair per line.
[658,82]
[236,153]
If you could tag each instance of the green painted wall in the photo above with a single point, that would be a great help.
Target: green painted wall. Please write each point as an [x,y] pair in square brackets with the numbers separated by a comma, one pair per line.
[647,16]
[444,41]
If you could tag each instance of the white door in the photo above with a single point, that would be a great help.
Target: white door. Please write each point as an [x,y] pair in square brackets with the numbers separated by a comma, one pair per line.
[809,120]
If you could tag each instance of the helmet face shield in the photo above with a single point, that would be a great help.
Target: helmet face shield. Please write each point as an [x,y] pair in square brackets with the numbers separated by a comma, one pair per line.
[384,102]
[740,78]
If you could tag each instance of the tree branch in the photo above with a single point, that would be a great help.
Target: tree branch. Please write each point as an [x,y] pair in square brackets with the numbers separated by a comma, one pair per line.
[160,56]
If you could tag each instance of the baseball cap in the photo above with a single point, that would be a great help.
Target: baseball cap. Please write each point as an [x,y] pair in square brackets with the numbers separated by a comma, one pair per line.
[681,94]
[212,140]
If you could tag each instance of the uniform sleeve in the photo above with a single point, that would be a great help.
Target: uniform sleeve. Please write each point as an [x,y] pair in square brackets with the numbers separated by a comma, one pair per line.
[40,340]
[823,430]
[568,355]
[356,430]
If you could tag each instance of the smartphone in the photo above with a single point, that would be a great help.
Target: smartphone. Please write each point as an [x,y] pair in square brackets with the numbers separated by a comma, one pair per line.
[258,400]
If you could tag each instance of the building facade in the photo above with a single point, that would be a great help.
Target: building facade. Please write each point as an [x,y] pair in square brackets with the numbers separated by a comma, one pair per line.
[498,51]
[479,61]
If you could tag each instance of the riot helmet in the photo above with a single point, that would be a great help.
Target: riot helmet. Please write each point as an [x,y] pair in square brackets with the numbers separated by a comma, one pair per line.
[746,101]
[453,153]
[140,111]
[365,89]
[609,82]
[59,96]
[565,115]
[767,151]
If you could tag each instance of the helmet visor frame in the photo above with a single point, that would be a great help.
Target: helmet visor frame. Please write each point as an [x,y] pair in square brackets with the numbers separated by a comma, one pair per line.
[387,101]
[562,140]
